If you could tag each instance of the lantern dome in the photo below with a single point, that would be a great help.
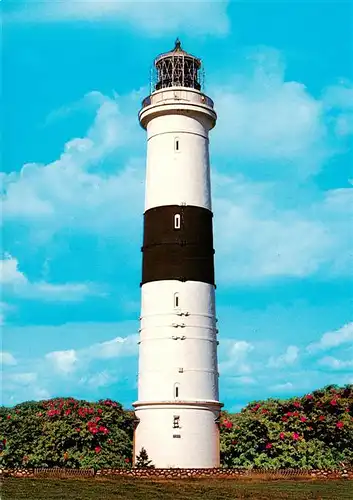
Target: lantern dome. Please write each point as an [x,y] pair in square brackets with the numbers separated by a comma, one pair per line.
[177,68]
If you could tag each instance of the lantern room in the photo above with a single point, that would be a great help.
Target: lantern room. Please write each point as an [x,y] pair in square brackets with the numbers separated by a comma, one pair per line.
[177,68]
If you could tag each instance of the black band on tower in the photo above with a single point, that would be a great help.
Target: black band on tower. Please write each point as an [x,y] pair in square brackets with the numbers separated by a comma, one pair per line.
[178,244]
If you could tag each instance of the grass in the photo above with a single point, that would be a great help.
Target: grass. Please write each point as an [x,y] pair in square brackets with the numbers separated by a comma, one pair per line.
[193,489]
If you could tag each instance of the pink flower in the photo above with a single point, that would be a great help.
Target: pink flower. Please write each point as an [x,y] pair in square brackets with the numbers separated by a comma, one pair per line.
[322,418]
[297,405]
[333,402]
[52,413]
[268,446]
[281,435]
[97,449]
[295,436]
[78,429]
[339,424]
[228,424]
[309,396]
[67,412]
[303,419]
[127,460]
[8,417]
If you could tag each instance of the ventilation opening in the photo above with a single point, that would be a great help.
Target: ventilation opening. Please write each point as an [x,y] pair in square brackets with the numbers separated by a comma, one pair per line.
[176,391]
[176,301]
[177,221]
[176,144]
[176,419]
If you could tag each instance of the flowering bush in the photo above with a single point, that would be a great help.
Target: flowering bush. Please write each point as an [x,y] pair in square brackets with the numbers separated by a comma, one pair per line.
[315,431]
[66,432]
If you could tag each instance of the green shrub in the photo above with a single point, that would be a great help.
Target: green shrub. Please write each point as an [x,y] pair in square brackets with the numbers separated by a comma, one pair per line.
[65,432]
[314,431]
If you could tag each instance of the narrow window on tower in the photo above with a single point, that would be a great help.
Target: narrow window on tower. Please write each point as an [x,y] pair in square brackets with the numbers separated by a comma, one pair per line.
[176,301]
[177,221]
[176,144]
[176,419]
[176,391]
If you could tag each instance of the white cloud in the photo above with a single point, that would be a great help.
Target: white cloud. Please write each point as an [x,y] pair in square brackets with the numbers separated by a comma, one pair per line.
[336,364]
[63,361]
[100,379]
[23,378]
[287,386]
[14,280]
[288,358]
[72,192]
[237,358]
[154,18]
[9,272]
[339,96]
[6,358]
[72,360]
[333,339]
[117,347]
[265,241]
[82,358]
[22,386]
[275,127]
[40,393]
[4,307]
[67,292]
[270,118]
[244,380]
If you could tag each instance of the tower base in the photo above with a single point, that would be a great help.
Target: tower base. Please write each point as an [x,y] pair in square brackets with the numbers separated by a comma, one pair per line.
[178,434]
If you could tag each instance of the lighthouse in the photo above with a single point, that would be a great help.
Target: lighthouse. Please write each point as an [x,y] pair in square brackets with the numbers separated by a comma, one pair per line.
[178,408]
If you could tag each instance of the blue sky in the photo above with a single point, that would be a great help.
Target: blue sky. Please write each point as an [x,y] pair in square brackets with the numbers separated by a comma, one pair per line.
[74,74]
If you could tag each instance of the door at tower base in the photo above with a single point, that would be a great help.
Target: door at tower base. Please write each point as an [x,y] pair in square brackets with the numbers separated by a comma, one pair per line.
[177,436]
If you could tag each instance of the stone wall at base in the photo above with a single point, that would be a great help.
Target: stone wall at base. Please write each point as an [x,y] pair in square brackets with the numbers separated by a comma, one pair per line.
[226,473]
[260,474]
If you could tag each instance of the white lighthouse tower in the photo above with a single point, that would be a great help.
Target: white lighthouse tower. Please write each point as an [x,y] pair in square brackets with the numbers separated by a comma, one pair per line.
[178,408]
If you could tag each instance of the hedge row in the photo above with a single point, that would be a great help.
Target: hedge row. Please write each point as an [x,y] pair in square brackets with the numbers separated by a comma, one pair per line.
[311,432]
